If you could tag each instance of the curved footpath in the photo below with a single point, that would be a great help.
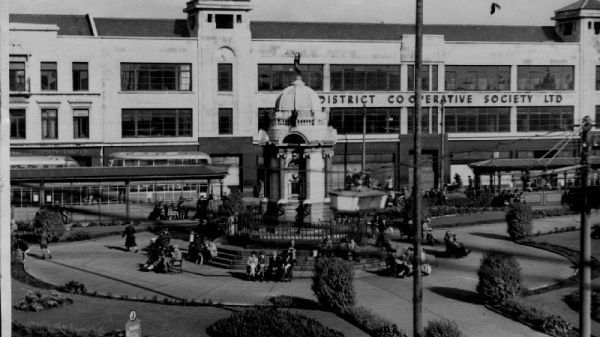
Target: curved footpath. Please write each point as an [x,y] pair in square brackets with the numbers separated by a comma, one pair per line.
[449,292]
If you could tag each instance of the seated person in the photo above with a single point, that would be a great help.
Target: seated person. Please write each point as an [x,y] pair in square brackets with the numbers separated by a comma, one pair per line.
[428,232]
[262,266]
[174,254]
[454,248]
[404,263]
[272,268]
[326,248]
[353,251]
[195,250]
[288,266]
[157,261]
[209,250]
[251,265]
[164,239]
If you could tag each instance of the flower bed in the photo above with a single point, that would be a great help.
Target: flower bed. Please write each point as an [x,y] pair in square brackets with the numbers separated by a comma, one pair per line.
[37,301]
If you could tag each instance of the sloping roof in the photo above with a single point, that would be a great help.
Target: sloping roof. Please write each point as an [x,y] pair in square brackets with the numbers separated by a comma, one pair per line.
[68,174]
[141,27]
[68,24]
[529,163]
[581,4]
[393,32]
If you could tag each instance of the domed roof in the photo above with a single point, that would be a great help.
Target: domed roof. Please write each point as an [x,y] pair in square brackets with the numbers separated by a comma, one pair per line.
[298,97]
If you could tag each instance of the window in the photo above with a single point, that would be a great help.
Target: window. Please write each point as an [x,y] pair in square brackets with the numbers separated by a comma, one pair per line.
[544,118]
[365,77]
[424,120]
[263,118]
[546,77]
[597,120]
[156,76]
[156,123]
[225,121]
[81,123]
[17,123]
[238,18]
[477,119]
[224,21]
[17,76]
[379,120]
[225,81]
[49,123]
[48,76]
[279,76]
[477,78]
[425,76]
[596,28]
[597,77]
[80,76]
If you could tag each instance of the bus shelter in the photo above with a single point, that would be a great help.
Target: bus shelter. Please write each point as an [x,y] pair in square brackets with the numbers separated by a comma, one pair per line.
[555,172]
[117,185]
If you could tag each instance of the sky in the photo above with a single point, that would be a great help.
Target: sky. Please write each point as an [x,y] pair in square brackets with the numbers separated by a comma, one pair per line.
[512,12]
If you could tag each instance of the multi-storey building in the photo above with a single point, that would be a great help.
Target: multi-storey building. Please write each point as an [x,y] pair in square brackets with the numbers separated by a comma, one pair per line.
[86,87]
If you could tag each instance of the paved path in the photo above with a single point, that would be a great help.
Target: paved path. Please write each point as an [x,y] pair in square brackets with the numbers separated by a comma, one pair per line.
[449,292]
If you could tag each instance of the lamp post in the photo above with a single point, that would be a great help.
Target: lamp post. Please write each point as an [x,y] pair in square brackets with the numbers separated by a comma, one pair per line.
[417,278]
[585,273]
[364,143]
[442,145]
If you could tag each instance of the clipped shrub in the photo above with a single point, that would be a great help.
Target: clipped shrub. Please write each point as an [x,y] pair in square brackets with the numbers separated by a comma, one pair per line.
[371,323]
[284,301]
[442,328]
[25,226]
[49,221]
[333,283]
[73,287]
[557,326]
[518,219]
[499,277]
[573,302]
[78,235]
[37,301]
[540,320]
[269,322]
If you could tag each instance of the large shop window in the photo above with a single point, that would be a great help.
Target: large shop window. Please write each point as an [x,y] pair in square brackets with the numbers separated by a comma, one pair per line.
[597,120]
[17,123]
[597,77]
[425,117]
[477,78]
[477,119]
[49,124]
[379,120]
[48,76]
[546,77]
[17,76]
[365,77]
[156,123]
[545,118]
[80,76]
[428,83]
[156,76]
[280,76]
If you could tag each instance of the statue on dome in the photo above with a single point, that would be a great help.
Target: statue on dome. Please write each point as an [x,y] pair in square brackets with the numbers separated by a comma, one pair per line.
[297,62]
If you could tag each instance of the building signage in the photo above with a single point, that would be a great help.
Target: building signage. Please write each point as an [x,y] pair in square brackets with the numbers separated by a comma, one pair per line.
[93,151]
[133,327]
[450,99]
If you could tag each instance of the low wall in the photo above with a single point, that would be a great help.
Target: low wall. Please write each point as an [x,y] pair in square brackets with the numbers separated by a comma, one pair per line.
[539,198]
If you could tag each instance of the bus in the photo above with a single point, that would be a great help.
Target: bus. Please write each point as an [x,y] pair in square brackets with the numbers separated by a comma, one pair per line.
[17,162]
[132,159]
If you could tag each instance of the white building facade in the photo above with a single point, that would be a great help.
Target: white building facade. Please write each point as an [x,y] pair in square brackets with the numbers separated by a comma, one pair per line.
[86,87]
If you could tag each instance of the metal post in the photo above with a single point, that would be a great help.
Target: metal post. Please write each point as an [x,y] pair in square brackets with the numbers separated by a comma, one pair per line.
[127,205]
[398,156]
[364,144]
[418,282]
[585,275]
[5,229]
[442,146]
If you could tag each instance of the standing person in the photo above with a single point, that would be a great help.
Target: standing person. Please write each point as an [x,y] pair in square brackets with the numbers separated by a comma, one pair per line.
[129,234]
[44,239]
[22,248]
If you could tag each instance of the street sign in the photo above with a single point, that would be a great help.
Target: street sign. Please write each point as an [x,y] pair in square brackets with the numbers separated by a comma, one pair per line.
[133,327]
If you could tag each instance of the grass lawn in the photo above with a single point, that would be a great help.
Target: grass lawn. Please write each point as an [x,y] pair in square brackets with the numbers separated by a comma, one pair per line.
[569,240]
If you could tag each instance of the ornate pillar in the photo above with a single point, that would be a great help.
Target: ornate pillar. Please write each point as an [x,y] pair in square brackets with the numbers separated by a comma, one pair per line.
[281,167]
[327,155]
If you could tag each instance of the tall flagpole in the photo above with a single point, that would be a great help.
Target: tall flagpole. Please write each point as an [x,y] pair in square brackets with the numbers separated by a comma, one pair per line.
[5,212]
[417,278]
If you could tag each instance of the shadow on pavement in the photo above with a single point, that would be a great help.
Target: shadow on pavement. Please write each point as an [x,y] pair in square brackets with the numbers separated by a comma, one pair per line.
[123,249]
[238,275]
[457,294]
[491,236]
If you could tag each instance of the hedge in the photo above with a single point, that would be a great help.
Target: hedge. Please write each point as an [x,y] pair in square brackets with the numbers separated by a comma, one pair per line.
[269,322]
[442,328]
[372,324]
[39,330]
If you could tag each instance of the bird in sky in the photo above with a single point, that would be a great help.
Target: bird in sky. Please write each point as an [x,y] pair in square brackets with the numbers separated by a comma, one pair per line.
[494,7]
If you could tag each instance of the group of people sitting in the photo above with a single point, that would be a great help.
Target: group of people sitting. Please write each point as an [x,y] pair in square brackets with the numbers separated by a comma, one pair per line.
[400,263]
[201,249]
[169,211]
[454,248]
[161,254]
[278,267]
[347,249]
